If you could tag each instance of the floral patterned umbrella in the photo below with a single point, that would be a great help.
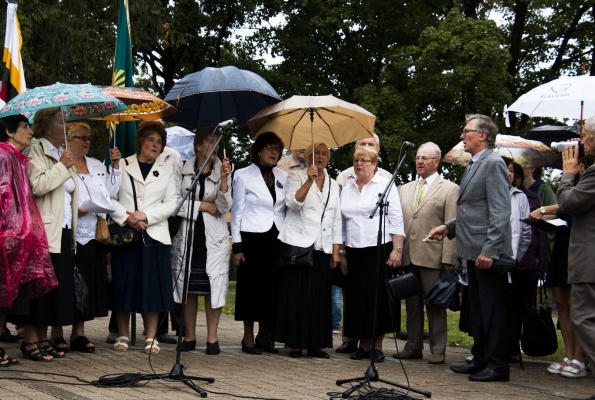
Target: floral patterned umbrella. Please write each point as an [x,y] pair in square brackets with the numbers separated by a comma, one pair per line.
[526,153]
[142,105]
[77,101]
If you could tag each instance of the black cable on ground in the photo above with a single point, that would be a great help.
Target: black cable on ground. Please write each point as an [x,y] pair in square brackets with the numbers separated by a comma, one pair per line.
[368,392]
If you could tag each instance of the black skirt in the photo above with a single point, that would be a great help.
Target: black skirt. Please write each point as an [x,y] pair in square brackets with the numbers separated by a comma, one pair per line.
[557,271]
[20,305]
[56,307]
[359,294]
[303,316]
[257,276]
[90,260]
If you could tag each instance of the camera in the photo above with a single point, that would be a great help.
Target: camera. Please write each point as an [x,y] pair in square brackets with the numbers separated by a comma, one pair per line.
[561,146]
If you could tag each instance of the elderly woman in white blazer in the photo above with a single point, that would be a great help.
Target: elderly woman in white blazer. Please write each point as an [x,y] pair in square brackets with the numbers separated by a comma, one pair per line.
[209,245]
[256,217]
[303,316]
[141,273]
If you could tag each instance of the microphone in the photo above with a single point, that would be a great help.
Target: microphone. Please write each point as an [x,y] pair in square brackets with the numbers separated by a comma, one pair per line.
[227,124]
[409,145]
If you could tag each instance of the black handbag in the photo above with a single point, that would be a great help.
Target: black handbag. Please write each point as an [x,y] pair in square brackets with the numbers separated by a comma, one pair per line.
[402,286]
[81,295]
[503,265]
[292,257]
[125,235]
[539,337]
[174,223]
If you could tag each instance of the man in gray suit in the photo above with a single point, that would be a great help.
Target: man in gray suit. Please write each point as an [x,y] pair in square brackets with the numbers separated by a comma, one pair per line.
[482,229]
[576,197]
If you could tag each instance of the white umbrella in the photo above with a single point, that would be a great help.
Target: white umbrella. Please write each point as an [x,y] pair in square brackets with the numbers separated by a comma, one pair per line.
[566,97]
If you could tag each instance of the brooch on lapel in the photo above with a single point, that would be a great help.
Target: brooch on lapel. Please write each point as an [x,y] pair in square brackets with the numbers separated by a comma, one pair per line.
[279,185]
[155,173]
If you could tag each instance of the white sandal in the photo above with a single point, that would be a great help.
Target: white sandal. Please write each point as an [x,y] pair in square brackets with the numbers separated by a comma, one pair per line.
[119,342]
[152,346]
[556,368]
[572,372]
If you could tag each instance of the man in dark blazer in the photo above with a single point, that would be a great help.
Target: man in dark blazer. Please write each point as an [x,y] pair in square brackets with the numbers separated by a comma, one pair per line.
[576,197]
[482,229]
[426,202]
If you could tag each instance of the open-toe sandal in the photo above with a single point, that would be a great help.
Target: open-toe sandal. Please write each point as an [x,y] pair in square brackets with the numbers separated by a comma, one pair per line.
[152,346]
[556,368]
[120,345]
[5,361]
[81,344]
[59,344]
[35,354]
[49,349]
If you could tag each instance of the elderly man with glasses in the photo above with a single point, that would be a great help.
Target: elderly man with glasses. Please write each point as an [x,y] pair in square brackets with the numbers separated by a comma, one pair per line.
[426,202]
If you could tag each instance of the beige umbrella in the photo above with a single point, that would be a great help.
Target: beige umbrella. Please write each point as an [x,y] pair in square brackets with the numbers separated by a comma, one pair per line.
[301,119]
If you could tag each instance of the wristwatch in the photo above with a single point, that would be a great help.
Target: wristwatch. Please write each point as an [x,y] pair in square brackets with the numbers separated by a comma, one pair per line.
[341,251]
[399,249]
[542,209]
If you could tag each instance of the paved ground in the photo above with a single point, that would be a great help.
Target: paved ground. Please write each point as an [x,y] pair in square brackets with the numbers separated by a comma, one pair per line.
[265,376]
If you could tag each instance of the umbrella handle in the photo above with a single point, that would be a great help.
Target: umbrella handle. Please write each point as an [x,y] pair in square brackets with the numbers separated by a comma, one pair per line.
[64,127]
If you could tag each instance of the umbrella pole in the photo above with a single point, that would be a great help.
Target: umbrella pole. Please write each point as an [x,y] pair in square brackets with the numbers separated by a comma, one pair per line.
[582,122]
[64,127]
[312,131]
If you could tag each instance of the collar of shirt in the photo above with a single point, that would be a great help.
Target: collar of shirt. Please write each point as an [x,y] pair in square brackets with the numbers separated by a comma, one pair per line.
[54,150]
[476,156]
[429,180]
[298,163]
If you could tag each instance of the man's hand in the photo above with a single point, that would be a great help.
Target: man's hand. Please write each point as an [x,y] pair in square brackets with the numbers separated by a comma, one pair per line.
[570,160]
[483,262]
[438,233]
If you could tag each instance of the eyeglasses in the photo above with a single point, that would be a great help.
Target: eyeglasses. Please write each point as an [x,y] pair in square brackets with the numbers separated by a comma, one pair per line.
[466,131]
[361,161]
[83,138]
[425,159]
[272,147]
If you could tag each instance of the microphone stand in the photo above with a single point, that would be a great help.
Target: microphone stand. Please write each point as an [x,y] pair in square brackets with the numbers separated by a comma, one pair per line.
[371,374]
[177,372]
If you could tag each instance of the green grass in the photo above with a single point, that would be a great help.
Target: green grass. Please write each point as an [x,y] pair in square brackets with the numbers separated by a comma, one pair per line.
[456,338]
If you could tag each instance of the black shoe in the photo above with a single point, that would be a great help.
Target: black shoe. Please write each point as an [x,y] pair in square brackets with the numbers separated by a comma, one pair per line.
[111,338]
[187,346]
[252,349]
[7,337]
[345,348]
[317,353]
[488,375]
[295,353]
[166,338]
[213,349]
[360,354]
[467,369]
[266,347]
[585,398]
[378,356]
[59,344]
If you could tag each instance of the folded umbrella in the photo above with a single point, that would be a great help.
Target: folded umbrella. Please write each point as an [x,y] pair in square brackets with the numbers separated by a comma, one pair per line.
[442,292]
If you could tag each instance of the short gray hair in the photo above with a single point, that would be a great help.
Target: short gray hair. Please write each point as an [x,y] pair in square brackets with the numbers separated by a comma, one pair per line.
[433,146]
[483,123]
[375,137]
[590,125]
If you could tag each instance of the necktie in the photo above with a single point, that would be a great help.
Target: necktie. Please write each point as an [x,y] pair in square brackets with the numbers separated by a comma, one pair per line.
[467,170]
[419,195]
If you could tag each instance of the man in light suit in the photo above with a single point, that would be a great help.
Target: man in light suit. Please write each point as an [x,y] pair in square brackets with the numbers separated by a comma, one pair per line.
[427,202]
[482,228]
[296,161]
[576,197]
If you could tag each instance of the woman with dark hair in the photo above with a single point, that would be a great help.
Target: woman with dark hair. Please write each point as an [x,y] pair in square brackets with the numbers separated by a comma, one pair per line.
[209,251]
[141,272]
[256,217]
[55,186]
[26,270]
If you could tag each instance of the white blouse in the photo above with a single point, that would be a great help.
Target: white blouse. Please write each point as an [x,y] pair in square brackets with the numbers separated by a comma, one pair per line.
[359,230]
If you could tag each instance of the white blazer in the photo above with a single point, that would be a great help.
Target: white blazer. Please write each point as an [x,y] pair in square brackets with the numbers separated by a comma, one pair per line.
[253,209]
[111,178]
[156,196]
[302,226]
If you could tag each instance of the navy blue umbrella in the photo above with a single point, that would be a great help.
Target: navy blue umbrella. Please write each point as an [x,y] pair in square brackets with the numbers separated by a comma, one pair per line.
[212,95]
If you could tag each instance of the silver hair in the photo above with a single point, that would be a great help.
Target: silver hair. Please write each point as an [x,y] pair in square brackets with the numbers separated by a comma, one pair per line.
[590,125]
[433,146]
[375,137]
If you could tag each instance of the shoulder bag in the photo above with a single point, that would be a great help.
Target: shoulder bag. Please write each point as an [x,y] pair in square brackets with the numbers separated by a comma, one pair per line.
[293,257]
[539,337]
[125,235]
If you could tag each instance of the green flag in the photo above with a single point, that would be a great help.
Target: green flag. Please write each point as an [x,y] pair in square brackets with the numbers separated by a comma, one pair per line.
[124,132]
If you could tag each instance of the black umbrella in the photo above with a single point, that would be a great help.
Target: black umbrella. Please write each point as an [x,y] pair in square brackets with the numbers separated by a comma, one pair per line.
[212,95]
[553,133]
[444,289]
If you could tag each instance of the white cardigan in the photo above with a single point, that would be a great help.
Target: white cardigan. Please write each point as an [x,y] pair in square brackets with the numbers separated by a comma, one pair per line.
[217,235]
[156,196]
[302,225]
[253,209]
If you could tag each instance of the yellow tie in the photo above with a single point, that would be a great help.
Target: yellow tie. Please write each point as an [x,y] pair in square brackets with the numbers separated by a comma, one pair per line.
[419,195]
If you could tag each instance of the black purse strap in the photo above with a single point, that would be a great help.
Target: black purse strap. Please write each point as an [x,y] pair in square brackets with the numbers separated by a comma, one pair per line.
[327,198]
[133,188]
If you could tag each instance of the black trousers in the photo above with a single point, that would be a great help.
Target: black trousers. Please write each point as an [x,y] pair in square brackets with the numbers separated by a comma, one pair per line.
[487,298]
